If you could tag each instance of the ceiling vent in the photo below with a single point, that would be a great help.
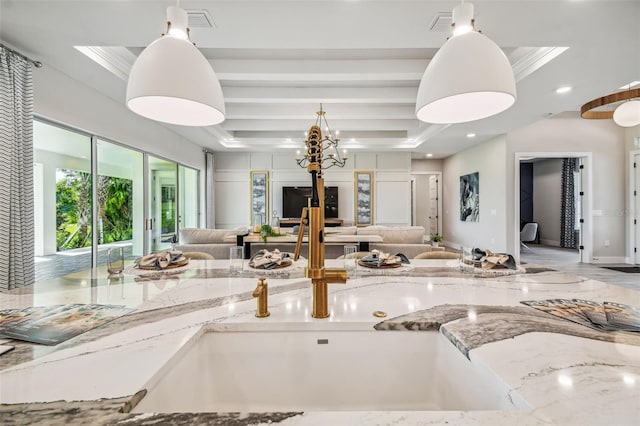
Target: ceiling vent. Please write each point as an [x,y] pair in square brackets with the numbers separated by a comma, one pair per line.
[441,22]
[200,19]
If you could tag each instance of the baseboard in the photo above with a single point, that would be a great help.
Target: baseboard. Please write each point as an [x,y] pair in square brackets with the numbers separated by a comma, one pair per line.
[609,259]
[550,243]
[451,245]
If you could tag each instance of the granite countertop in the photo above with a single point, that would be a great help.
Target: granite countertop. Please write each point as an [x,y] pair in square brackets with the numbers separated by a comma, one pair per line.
[567,373]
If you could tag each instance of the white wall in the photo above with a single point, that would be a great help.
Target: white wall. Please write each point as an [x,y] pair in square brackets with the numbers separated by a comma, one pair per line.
[488,159]
[547,199]
[426,165]
[568,132]
[392,194]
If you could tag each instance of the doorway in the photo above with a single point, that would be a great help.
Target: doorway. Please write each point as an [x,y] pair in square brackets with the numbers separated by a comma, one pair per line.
[540,179]
[426,201]
[633,248]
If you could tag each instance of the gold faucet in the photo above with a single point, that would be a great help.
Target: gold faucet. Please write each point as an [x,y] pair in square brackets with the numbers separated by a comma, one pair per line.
[320,276]
[261,292]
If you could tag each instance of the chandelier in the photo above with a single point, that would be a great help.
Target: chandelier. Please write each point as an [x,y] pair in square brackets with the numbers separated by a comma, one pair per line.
[321,149]
[627,114]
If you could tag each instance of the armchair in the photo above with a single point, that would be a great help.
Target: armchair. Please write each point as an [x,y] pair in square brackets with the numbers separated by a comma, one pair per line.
[528,234]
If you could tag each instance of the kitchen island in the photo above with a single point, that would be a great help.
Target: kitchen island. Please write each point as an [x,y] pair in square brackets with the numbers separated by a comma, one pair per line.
[553,371]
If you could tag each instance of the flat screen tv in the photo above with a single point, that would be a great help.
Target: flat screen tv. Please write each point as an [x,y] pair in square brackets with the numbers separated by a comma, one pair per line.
[294,199]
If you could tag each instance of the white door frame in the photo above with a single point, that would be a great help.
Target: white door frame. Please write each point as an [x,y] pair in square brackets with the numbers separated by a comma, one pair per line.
[587,199]
[413,201]
[439,174]
[633,214]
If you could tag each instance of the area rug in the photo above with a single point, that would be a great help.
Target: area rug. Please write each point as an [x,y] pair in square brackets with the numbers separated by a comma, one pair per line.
[627,269]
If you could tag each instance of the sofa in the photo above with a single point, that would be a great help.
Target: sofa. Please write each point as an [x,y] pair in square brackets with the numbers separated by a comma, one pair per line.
[215,242]
[408,240]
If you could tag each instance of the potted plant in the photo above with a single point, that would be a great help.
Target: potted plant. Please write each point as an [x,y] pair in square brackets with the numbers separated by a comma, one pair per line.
[267,231]
[436,239]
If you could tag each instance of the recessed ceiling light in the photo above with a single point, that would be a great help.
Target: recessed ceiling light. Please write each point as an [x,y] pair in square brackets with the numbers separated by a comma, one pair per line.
[429,155]
[471,135]
[563,89]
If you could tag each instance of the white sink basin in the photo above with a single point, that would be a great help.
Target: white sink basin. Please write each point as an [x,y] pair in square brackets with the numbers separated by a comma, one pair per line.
[268,371]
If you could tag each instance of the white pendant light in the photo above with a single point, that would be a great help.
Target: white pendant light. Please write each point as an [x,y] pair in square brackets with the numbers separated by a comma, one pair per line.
[172,82]
[627,114]
[468,79]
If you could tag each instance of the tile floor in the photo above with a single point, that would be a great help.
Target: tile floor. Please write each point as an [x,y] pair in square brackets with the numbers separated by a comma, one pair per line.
[63,263]
[567,260]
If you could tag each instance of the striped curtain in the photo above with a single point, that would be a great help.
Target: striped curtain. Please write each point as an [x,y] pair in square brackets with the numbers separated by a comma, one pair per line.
[16,172]
[568,209]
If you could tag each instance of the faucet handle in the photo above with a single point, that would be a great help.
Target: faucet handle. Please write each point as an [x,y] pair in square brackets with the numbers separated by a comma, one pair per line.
[262,294]
[259,287]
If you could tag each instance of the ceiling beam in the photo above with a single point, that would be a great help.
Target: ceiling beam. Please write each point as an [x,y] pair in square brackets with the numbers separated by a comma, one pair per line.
[309,66]
[316,95]
[302,125]
[307,112]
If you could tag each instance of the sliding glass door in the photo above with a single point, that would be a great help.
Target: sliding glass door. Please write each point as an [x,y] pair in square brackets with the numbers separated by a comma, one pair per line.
[120,200]
[162,222]
[62,200]
[173,201]
[91,194]
[188,190]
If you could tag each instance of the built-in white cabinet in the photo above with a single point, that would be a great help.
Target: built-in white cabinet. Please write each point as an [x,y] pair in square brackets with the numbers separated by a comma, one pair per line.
[391,173]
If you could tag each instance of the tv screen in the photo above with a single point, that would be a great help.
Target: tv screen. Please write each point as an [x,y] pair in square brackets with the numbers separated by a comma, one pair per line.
[294,199]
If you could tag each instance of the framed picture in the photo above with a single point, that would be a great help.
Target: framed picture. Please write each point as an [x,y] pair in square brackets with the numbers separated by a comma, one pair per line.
[259,197]
[363,181]
[470,197]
